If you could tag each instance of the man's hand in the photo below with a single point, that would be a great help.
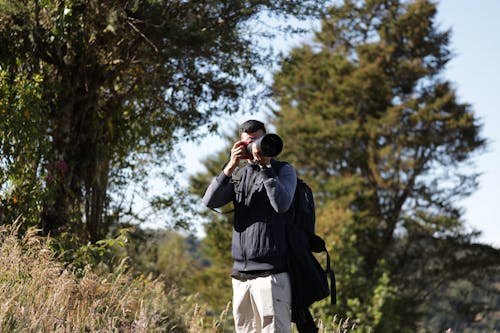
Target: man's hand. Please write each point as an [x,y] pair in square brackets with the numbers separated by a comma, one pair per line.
[257,156]
[237,153]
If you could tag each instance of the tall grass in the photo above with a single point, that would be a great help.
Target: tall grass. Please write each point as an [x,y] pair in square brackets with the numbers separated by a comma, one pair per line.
[38,294]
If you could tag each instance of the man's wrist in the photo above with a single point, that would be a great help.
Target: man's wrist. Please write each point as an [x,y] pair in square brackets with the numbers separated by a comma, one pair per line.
[229,168]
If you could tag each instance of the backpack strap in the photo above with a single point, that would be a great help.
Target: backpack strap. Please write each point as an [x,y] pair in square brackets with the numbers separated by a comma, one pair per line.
[333,287]
[221,212]
[318,245]
[276,165]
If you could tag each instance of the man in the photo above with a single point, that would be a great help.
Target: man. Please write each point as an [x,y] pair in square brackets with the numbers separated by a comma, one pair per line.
[261,191]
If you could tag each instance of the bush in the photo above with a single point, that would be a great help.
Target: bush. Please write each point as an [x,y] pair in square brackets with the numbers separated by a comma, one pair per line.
[39,294]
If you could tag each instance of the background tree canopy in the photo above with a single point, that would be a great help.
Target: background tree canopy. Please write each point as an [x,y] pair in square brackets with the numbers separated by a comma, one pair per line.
[93,93]
[371,123]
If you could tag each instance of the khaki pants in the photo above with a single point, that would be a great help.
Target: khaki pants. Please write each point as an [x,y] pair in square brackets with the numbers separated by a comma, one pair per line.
[263,304]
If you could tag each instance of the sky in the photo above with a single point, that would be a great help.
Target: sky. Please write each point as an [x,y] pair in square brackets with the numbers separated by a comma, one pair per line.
[475,73]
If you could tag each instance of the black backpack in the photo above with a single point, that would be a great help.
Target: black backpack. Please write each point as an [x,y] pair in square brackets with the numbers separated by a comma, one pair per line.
[309,280]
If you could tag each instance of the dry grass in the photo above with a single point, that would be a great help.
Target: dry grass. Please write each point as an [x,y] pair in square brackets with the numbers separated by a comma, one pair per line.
[37,294]
[338,326]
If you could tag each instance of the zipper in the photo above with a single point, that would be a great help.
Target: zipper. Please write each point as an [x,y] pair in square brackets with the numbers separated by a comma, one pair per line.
[243,249]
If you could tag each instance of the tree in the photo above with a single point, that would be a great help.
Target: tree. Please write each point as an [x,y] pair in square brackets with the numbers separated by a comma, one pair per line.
[379,133]
[96,92]
[213,282]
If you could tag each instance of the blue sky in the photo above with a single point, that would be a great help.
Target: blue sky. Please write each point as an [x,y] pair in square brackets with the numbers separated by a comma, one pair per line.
[475,73]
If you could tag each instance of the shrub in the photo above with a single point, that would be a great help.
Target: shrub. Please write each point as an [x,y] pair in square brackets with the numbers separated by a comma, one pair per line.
[39,294]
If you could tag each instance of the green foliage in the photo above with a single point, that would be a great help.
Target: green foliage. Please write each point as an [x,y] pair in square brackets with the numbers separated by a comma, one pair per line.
[175,263]
[103,254]
[163,254]
[22,146]
[369,121]
[466,312]
[213,282]
[96,93]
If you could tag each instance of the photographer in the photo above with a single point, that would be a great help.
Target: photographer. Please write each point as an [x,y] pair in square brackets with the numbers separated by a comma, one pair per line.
[261,191]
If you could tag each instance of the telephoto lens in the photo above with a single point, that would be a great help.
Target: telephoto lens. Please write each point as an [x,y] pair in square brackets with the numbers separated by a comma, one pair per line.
[270,145]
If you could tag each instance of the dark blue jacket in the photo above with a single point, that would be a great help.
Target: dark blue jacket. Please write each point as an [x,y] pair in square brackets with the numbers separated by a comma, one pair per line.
[260,198]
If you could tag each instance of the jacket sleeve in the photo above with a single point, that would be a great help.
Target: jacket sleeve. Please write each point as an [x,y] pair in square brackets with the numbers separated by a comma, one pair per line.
[280,187]
[219,192]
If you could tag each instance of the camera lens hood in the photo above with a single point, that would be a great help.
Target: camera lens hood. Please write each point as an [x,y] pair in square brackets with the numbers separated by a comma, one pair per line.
[270,145]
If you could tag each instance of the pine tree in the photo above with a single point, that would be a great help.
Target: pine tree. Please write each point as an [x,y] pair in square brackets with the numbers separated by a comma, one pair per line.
[370,122]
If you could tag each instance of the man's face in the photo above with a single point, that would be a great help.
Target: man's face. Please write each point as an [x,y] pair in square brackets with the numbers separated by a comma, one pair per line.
[253,136]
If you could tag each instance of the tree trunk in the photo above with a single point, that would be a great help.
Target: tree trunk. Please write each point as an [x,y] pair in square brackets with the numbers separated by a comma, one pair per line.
[79,175]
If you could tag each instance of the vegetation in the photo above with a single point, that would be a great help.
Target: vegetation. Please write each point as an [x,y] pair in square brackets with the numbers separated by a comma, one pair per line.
[381,136]
[217,243]
[370,122]
[94,95]
[40,294]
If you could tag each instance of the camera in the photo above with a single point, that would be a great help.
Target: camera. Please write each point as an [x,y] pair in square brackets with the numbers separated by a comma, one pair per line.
[269,145]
